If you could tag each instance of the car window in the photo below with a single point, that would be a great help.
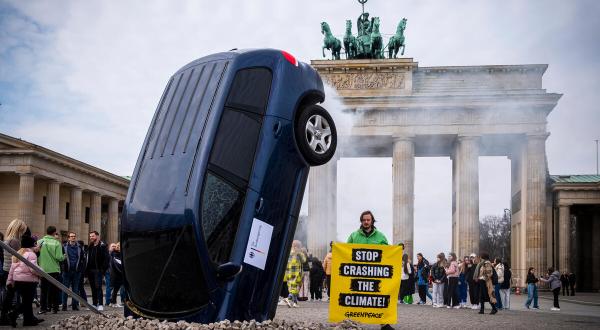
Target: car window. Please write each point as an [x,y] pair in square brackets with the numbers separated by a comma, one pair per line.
[250,90]
[235,142]
[222,205]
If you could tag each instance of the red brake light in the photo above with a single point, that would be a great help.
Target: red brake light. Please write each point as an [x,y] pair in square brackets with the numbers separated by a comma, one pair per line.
[289,57]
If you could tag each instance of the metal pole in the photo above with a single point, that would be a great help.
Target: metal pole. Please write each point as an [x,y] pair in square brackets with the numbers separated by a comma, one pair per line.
[597,157]
[50,279]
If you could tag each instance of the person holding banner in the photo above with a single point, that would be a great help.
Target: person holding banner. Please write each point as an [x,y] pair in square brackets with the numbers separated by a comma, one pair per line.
[368,234]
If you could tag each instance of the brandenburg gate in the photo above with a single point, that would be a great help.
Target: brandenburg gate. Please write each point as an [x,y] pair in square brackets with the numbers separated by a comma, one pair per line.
[405,111]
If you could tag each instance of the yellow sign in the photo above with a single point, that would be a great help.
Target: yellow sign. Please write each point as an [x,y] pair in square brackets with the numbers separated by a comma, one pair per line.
[365,280]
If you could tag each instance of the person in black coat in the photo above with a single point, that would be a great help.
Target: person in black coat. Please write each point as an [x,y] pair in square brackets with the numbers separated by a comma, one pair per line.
[97,264]
[472,281]
[572,281]
[317,275]
[116,274]
[564,281]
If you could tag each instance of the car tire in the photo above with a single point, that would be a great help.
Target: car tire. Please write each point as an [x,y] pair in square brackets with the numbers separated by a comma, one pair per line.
[316,135]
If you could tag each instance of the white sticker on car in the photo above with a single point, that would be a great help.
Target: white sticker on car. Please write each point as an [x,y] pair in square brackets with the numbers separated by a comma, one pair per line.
[259,241]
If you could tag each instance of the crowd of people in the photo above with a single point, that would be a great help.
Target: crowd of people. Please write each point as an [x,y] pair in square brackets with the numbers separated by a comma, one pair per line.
[468,282]
[70,262]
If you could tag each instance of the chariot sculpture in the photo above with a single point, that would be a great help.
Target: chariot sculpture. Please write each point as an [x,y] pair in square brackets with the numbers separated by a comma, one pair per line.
[368,43]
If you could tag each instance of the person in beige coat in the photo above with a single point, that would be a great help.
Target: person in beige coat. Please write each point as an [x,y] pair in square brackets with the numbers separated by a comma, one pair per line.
[486,272]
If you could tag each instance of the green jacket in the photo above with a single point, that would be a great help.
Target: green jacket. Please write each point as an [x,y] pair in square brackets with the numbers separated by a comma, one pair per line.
[51,254]
[359,237]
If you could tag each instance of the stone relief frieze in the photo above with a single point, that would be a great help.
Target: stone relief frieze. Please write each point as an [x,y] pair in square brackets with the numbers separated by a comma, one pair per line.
[451,116]
[381,80]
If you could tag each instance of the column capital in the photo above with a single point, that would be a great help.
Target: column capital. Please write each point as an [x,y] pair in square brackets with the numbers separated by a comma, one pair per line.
[403,137]
[468,137]
[538,136]
[26,174]
[76,188]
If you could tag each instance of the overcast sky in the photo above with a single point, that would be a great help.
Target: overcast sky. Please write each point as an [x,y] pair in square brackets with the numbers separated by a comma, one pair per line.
[84,77]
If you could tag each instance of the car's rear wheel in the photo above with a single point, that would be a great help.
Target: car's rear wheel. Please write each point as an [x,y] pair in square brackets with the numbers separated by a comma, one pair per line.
[316,135]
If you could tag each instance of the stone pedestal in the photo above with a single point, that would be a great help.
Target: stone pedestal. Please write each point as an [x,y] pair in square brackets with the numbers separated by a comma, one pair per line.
[403,175]
[75,217]
[322,208]
[26,197]
[535,223]
[53,204]
[96,212]
[466,195]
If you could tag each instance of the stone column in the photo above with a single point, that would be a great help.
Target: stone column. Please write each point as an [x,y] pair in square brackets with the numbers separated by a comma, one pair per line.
[564,238]
[467,195]
[322,208]
[75,211]
[403,176]
[113,221]
[53,204]
[455,228]
[26,196]
[595,251]
[535,225]
[96,212]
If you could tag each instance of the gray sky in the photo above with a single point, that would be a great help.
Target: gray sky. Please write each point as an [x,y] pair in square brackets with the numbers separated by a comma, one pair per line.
[84,78]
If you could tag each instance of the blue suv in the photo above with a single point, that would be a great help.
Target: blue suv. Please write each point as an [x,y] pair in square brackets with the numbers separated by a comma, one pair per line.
[214,199]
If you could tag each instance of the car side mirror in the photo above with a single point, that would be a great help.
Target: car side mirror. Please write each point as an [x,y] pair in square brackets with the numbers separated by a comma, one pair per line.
[227,271]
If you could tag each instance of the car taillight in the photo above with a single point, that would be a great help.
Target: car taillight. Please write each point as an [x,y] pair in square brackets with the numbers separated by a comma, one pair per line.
[290,57]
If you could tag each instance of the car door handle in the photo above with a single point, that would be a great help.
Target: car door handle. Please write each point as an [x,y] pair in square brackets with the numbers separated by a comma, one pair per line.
[277,128]
[259,205]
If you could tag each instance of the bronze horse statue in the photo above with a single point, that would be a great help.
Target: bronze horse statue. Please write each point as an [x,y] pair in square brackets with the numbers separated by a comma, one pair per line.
[350,45]
[397,40]
[330,42]
[376,39]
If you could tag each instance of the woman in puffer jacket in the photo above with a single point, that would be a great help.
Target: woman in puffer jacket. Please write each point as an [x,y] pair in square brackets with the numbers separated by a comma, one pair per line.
[553,279]
[25,281]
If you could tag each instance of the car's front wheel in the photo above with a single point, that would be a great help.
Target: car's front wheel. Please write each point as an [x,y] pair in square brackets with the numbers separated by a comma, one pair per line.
[316,135]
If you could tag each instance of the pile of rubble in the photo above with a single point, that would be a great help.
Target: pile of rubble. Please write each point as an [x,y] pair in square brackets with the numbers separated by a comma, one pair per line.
[117,322]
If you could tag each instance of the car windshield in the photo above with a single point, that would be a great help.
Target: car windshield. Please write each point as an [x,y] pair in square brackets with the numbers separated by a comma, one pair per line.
[166,269]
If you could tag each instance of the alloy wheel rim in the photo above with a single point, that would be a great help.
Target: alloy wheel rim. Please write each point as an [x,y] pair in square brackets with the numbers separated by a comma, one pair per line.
[318,134]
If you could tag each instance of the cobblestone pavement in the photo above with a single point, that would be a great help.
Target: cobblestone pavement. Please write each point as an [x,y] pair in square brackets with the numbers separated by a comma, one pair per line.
[571,316]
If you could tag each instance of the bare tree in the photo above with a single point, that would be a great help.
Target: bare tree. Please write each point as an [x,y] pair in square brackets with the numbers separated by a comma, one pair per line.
[494,236]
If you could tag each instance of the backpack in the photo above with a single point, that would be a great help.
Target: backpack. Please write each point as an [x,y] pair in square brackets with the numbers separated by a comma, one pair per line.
[425,271]
[494,276]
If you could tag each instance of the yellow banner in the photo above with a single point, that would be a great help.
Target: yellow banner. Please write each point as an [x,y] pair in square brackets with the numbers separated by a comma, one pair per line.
[365,280]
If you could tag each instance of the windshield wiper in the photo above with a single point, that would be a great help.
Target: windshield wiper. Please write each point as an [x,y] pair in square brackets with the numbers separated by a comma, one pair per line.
[162,273]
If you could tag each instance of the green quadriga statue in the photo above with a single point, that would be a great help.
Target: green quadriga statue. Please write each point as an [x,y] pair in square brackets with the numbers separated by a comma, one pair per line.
[368,43]
[397,41]
[330,42]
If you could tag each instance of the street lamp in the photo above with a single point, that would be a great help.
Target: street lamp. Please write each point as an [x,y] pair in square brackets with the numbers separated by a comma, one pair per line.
[507,216]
